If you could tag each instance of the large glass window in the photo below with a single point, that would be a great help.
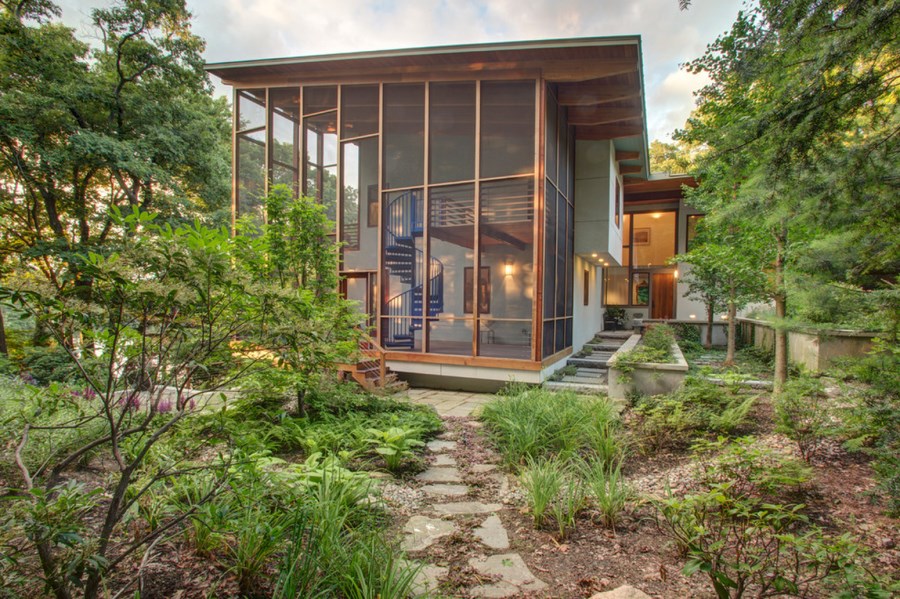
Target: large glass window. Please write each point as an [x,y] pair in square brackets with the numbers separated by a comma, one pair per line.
[507,128]
[648,242]
[403,262]
[653,238]
[451,132]
[404,135]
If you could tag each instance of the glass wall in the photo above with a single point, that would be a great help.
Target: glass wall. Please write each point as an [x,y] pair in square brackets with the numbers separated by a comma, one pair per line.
[559,228]
[320,127]
[648,243]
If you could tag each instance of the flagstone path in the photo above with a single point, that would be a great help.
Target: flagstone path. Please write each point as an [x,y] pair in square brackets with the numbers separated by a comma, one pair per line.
[455,524]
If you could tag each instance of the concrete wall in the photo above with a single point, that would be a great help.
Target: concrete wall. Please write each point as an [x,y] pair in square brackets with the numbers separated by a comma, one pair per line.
[812,350]
[596,174]
[588,320]
[646,379]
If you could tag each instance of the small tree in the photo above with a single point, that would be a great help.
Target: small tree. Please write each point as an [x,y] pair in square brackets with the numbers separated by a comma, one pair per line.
[175,314]
[727,271]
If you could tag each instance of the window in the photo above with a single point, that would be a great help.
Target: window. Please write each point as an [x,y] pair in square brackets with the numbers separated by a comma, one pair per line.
[507,128]
[451,127]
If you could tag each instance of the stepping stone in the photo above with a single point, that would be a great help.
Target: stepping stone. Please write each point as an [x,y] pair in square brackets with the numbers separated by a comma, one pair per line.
[446,490]
[422,532]
[623,592]
[480,468]
[440,475]
[503,480]
[466,507]
[492,533]
[428,579]
[474,423]
[515,577]
[439,446]
[443,460]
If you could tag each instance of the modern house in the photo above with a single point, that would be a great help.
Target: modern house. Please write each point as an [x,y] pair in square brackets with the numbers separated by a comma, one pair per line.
[490,200]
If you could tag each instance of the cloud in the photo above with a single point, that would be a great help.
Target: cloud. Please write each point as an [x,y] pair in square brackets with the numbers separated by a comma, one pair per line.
[249,29]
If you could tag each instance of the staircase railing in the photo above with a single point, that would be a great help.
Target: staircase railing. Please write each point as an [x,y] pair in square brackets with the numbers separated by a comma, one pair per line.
[405,311]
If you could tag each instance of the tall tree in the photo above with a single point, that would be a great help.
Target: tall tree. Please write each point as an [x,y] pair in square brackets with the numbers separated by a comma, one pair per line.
[127,123]
[801,125]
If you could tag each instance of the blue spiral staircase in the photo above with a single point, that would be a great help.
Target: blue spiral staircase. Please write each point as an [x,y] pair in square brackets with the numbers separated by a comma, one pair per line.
[403,224]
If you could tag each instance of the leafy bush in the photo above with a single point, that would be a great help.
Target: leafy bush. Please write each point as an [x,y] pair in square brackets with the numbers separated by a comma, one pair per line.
[737,531]
[49,364]
[872,422]
[801,411]
[542,479]
[699,407]
[608,489]
[394,445]
[655,346]
[536,423]
[688,337]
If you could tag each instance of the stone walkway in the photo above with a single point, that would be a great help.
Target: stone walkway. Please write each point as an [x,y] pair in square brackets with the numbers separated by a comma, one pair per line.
[463,505]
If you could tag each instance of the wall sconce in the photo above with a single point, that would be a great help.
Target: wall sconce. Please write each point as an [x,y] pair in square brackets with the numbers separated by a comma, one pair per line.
[676,273]
[508,269]
[692,316]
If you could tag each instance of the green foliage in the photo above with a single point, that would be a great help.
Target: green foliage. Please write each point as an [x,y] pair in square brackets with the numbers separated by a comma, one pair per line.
[739,532]
[871,423]
[688,337]
[537,423]
[394,445]
[655,346]
[570,502]
[49,364]
[698,408]
[802,414]
[542,479]
[607,489]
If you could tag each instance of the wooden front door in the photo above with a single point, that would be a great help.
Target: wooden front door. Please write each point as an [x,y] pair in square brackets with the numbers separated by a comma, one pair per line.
[662,296]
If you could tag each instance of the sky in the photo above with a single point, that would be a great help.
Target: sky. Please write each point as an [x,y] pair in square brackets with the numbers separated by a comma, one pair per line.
[253,29]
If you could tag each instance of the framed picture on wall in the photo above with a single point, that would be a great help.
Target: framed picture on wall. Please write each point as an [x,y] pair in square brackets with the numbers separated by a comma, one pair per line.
[642,236]
[484,289]
[372,206]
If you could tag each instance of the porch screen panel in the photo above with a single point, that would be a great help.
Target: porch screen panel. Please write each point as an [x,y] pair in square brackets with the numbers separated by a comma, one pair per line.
[506,241]
[285,137]
[551,137]
[321,161]
[359,110]
[452,281]
[359,225]
[451,126]
[251,155]
[507,128]
[404,135]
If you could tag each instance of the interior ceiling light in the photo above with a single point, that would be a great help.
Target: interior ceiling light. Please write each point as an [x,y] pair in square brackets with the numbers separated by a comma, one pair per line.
[656,215]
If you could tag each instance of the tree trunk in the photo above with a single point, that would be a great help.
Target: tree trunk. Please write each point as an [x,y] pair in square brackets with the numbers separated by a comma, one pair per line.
[732,330]
[780,298]
[709,325]
[4,349]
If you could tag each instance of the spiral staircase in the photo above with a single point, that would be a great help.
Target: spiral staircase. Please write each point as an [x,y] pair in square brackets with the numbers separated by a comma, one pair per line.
[403,225]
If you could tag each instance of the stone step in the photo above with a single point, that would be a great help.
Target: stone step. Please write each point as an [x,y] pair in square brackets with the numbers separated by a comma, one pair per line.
[593,373]
[588,380]
[587,362]
[576,387]
[610,347]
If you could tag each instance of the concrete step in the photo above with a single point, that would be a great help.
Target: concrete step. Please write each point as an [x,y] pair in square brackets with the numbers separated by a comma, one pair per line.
[591,372]
[587,380]
[587,362]
[602,346]
[576,387]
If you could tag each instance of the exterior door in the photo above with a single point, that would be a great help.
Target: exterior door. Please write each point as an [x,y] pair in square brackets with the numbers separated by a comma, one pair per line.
[359,287]
[662,296]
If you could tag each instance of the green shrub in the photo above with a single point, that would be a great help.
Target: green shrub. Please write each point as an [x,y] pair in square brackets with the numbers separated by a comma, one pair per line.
[568,504]
[698,408]
[539,423]
[542,479]
[655,346]
[49,364]
[688,337]
[394,445]
[608,489]
[739,530]
[801,412]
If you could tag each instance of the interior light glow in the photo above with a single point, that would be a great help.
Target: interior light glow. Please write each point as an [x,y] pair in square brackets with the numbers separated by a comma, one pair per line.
[508,269]
[656,215]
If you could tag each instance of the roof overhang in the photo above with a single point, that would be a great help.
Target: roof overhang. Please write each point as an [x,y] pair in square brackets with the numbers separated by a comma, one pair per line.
[599,80]
[658,188]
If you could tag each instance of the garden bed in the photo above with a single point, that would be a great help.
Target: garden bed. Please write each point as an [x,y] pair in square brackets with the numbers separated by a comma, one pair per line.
[646,378]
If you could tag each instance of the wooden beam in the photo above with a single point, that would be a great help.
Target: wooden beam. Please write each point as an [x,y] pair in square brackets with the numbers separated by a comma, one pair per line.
[590,93]
[608,131]
[625,155]
[563,71]
[598,115]
[628,169]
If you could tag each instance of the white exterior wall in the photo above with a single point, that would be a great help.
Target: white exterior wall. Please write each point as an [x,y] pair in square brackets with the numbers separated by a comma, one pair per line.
[596,173]
[588,320]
